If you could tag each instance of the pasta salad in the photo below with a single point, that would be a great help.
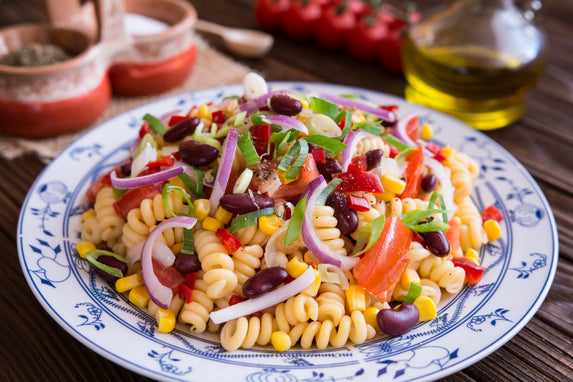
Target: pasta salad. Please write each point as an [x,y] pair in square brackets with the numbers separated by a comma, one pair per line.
[286,219]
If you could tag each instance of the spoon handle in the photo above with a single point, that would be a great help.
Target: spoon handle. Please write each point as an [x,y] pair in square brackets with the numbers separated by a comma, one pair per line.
[207,26]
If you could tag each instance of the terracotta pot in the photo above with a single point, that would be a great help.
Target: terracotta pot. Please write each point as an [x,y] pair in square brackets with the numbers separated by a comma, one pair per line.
[43,101]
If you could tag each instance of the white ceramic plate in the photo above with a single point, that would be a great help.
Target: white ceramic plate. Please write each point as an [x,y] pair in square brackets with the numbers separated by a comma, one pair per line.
[519,270]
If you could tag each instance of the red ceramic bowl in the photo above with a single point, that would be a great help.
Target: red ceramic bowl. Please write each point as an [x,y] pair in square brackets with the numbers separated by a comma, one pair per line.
[161,61]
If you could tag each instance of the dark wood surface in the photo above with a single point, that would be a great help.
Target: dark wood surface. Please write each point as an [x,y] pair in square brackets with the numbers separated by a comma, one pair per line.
[34,347]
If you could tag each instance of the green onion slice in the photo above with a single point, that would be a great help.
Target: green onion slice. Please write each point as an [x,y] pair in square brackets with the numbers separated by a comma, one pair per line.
[155,125]
[347,118]
[374,128]
[432,226]
[414,291]
[147,138]
[247,147]
[331,146]
[92,256]
[298,163]
[415,216]
[195,187]
[295,222]
[321,106]
[188,240]
[392,140]
[403,155]
[249,219]
[368,235]
[327,191]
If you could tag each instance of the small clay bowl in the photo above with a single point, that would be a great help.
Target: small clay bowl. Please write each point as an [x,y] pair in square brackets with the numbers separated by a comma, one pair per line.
[156,62]
[44,101]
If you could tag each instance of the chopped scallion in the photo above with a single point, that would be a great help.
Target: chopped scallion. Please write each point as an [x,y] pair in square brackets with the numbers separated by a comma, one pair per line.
[249,219]
[368,235]
[392,140]
[155,125]
[298,163]
[92,256]
[321,106]
[327,191]
[414,291]
[247,147]
[347,118]
[330,145]
[403,155]
[295,222]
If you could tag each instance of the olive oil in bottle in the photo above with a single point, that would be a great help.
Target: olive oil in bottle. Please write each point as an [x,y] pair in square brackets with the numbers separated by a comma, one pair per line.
[474,68]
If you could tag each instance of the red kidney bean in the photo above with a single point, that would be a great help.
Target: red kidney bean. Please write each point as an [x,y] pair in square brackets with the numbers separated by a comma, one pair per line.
[112,262]
[125,168]
[429,182]
[347,219]
[181,129]
[284,104]
[247,202]
[187,263]
[329,167]
[373,158]
[401,320]
[197,154]
[263,281]
[436,242]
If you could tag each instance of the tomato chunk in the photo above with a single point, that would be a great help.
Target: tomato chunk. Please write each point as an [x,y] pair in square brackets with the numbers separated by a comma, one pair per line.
[413,174]
[96,186]
[474,272]
[358,203]
[132,198]
[294,189]
[381,267]
[491,213]
[453,235]
[168,276]
[358,181]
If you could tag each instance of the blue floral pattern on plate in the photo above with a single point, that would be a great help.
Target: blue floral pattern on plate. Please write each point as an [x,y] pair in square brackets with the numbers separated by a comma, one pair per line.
[519,270]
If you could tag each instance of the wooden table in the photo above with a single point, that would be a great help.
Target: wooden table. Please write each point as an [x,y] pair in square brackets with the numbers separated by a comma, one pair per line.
[34,347]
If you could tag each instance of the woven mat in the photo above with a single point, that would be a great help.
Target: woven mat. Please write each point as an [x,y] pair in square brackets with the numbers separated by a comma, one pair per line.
[211,69]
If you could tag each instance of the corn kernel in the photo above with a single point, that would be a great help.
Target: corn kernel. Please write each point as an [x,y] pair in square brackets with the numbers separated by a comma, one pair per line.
[492,229]
[202,208]
[449,153]
[204,113]
[88,214]
[308,257]
[410,275]
[83,247]
[473,255]
[280,340]
[177,182]
[139,296]
[129,282]
[427,131]
[269,224]
[393,184]
[426,307]
[165,320]
[356,298]
[177,247]
[223,215]
[386,196]
[295,267]
[457,218]
[370,316]
[312,289]
[212,224]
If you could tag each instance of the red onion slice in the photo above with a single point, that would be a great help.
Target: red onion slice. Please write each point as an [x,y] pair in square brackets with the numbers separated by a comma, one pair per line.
[159,293]
[348,102]
[287,122]
[309,236]
[266,300]
[224,171]
[351,141]
[139,181]
[255,104]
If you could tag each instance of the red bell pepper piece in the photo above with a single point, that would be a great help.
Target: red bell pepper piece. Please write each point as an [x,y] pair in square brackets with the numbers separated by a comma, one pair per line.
[318,155]
[413,174]
[474,271]
[261,133]
[218,117]
[175,119]
[230,241]
[144,129]
[167,161]
[491,213]
[358,181]
[381,267]
[358,164]
[358,203]
[186,287]
[168,276]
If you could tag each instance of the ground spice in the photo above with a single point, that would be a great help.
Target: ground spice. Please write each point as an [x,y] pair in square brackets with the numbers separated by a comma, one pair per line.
[36,54]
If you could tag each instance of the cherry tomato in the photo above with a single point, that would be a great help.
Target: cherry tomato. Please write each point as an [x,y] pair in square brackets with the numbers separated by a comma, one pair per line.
[96,186]
[390,53]
[133,197]
[269,13]
[358,181]
[168,276]
[413,174]
[364,40]
[413,129]
[300,20]
[334,25]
